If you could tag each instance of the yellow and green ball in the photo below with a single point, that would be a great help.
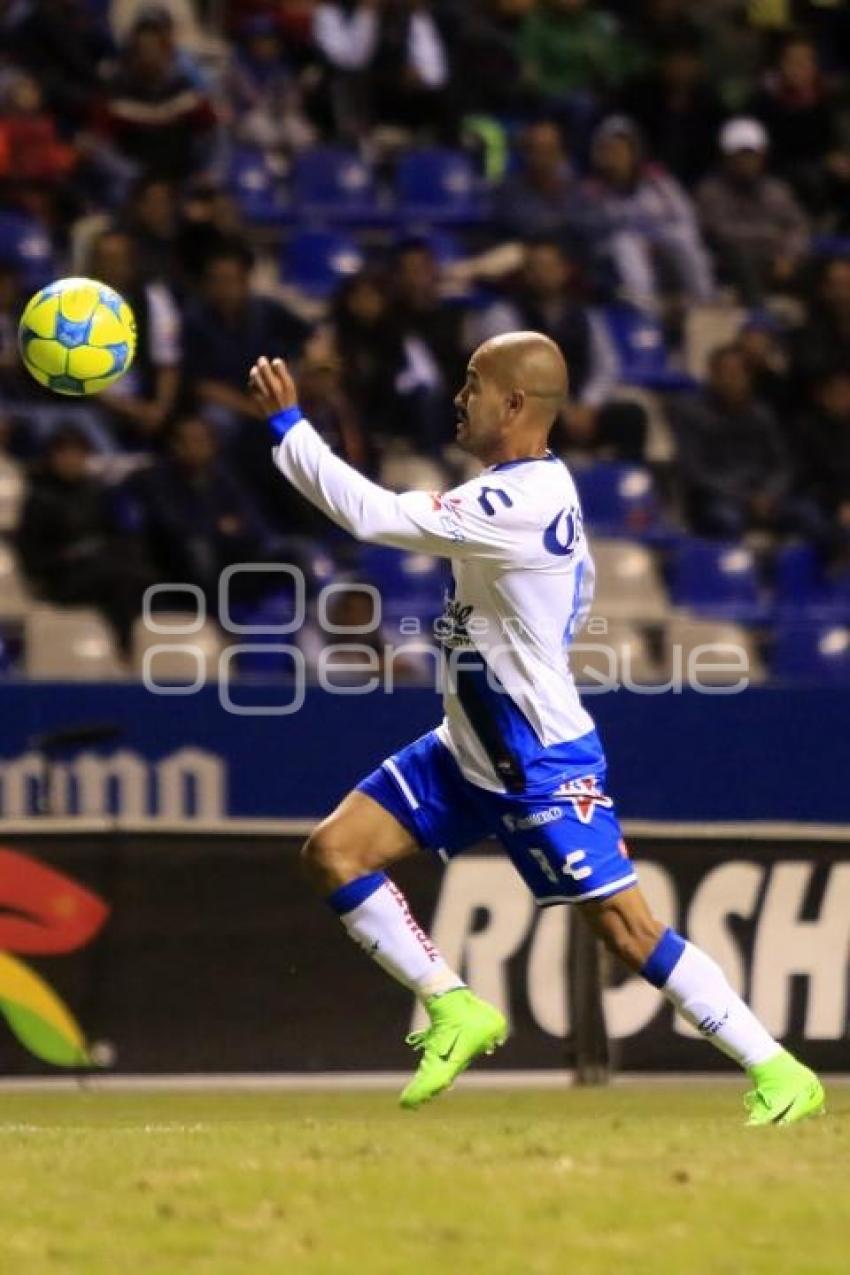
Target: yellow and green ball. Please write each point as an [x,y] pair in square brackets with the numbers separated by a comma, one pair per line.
[77,336]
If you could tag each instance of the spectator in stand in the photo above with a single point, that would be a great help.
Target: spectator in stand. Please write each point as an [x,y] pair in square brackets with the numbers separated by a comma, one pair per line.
[762,340]
[70,548]
[151,217]
[388,64]
[210,221]
[676,105]
[225,328]
[652,25]
[62,44]
[412,71]
[800,111]
[432,330]
[732,458]
[196,516]
[651,233]
[824,340]
[179,17]
[488,50]
[140,404]
[543,197]
[546,299]
[31,152]
[153,113]
[573,46]
[263,91]
[751,219]
[824,438]
[369,348]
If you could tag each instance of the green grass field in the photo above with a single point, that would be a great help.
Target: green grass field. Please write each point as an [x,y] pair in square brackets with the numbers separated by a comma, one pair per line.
[632,1179]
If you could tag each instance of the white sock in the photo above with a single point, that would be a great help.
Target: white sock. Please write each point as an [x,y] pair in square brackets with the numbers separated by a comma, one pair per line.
[698,988]
[376,915]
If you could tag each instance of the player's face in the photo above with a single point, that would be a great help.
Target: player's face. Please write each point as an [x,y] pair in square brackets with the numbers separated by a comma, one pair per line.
[482,410]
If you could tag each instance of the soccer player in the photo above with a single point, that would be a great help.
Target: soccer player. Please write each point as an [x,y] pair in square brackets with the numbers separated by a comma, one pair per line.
[516,755]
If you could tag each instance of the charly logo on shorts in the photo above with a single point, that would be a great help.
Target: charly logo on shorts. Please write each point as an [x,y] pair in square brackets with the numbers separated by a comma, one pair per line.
[584,795]
[535,820]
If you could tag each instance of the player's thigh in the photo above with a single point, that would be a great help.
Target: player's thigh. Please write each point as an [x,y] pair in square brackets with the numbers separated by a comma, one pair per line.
[567,845]
[358,837]
[625,923]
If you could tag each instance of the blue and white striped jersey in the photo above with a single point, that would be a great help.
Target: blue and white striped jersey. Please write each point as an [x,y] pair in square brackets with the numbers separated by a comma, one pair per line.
[522,586]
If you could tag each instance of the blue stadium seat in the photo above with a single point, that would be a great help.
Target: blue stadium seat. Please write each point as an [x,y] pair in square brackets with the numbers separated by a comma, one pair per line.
[317,261]
[802,584]
[639,341]
[276,609]
[717,578]
[811,652]
[619,500]
[255,187]
[438,186]
[25,245]
[334,184]
[410,584]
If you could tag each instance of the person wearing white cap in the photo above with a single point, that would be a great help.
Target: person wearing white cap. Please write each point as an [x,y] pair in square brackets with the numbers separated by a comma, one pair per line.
[751,219]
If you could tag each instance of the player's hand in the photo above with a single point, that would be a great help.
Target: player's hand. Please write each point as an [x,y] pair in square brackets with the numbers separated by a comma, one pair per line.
[272,386]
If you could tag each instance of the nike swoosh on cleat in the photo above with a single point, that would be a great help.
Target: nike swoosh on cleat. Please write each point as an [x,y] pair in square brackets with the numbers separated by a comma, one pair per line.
[784,1112]
[447,1055]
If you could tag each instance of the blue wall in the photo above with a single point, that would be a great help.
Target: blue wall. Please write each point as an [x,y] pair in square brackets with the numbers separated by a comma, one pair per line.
[768,753]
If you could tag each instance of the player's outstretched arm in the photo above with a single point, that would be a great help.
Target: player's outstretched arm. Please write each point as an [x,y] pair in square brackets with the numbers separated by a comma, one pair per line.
[416,520]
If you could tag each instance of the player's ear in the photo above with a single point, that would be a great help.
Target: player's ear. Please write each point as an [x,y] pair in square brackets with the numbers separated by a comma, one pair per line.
[516,399]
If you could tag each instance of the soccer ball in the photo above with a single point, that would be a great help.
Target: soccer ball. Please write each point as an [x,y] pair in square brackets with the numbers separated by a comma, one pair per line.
[77,336]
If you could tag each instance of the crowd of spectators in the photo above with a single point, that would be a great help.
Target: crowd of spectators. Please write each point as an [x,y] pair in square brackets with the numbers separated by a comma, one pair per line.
[655,156]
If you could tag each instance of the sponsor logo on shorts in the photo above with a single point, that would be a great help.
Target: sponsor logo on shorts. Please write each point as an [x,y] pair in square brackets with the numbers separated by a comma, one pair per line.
[575,867]
[584,795]
[535,820]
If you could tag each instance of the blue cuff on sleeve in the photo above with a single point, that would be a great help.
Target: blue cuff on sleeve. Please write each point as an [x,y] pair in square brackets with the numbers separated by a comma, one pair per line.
[281,423]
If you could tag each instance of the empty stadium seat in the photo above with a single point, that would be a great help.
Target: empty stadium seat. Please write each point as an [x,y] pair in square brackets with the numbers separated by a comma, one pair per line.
[410,584]
[706,328]
[437,185]
[255,186]
[317,261]
[618,500]
[619,655]
[333,183]
[12,488]
[643,355]
[25,244]
[811,652]
[802,583]
[14,595]
[719,578]
[69,644]
[196,661]
[687,633]
[628,583]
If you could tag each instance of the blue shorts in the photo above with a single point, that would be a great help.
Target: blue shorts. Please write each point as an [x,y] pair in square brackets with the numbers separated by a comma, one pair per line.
[566,845]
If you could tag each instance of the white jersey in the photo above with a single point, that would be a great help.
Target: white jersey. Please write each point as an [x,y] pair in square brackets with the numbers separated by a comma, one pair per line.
[522,585]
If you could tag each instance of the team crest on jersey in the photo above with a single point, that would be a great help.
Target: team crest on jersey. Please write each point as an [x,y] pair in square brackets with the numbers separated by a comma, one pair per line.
[449,509]
[584,795]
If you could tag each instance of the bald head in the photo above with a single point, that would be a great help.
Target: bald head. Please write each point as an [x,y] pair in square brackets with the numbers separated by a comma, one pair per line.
[516,384]
[528,362]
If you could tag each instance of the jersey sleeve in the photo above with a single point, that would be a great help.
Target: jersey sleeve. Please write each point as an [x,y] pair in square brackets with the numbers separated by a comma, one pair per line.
[475,520]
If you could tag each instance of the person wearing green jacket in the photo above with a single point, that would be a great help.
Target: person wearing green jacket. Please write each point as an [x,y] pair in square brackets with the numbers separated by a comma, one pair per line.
[571,46]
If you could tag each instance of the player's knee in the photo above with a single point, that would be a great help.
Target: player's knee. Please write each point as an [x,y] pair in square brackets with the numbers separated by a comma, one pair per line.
[327,860]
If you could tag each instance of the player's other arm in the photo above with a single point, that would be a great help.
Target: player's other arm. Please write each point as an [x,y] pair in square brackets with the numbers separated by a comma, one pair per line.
[415,520]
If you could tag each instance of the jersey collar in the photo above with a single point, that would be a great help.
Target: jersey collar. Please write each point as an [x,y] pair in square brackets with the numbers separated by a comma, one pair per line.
[521,460]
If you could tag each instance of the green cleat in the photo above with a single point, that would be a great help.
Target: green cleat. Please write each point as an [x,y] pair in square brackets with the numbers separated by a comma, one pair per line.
[462,1027]
[785,1092]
